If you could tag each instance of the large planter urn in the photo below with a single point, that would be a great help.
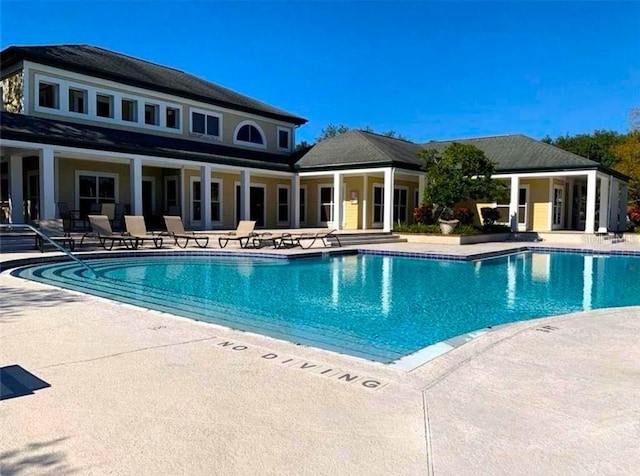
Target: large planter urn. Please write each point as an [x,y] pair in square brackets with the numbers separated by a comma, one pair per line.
[447,226]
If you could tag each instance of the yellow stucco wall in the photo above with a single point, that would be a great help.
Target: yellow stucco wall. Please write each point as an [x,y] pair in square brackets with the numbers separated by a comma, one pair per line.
[67,182]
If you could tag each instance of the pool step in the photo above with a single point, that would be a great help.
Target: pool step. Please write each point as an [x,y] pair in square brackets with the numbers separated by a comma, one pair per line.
[355,239]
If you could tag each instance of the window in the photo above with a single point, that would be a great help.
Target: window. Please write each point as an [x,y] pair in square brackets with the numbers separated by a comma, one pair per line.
[48,95]
[283,139]
[283,204]
[170,193]
[173,118]
[303,204]
[400,205]
[206,124]
[216,201]
[151,115]
[326,204]
[104,105]
[558,209]
[129,110]
[95,188]
[78,100]
[249,133]
[378,203]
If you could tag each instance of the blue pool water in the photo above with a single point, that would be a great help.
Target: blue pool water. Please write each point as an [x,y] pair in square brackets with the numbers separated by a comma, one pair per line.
[377,307]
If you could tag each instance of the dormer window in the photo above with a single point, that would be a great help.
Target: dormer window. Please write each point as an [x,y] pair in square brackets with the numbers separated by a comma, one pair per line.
[249,133]
[48,95]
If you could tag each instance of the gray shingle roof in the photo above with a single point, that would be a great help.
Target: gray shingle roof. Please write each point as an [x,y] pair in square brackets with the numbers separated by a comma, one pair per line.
[48,131]
[517,153]
[359,148]
[114,66]
[511,153]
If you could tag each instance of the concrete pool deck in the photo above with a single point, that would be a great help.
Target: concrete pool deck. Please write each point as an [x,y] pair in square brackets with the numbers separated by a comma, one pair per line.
[141,392]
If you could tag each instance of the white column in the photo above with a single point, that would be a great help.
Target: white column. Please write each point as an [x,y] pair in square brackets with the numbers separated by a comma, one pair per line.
[590,219]
[245,195]
[205,197]
[569,194]
[422,182]
[337,201]
[294,201]
[135,183]
[614,206]
[182,190]
[47,189]
[16,195]
[550,217]
[604,202]
[388,199]
[513,203]
[364,199]
[624,196]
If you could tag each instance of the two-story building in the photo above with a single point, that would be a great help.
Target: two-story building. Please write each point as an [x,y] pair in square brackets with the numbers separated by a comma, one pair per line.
[85,126]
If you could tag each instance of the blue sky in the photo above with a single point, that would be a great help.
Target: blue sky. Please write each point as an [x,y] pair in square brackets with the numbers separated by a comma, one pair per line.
[428,70]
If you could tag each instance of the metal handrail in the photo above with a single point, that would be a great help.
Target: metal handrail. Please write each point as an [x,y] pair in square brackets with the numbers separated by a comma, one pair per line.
[49,240]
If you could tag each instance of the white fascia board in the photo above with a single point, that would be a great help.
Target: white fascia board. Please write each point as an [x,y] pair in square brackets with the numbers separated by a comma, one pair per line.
[559,173]
[149,92]
[343,172]
[120,157]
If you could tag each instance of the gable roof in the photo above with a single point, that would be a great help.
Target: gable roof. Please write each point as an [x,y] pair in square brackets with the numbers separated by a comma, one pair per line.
[357,148]
[105,64]
[511,153]
[48,131]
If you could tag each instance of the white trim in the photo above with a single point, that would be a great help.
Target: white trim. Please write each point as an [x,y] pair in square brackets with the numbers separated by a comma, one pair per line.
[556,174]
[377,224]
[64,85]
[524,226]
[104,83]
[328,185]
[305,203]
[165,197]
[263,186]
[406,205]
[205,112]
[152,179]
[126,157]
[288,189]
[288,131]
[249,122]
[197,223]
[95,173]
[560,225]
[329,173]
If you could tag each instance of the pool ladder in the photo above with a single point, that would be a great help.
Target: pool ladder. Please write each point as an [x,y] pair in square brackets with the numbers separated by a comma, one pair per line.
[24,226]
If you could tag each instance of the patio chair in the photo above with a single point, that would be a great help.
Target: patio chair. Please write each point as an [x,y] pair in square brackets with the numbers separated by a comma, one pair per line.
[243,234]
[268,239]
[176,230]
[70,219]
[101,229]
[137,229]
[54,230]
[310,239]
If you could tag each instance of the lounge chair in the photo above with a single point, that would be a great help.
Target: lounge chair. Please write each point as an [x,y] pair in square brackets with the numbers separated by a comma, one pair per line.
[70,219]
[101,229]
[244,234]
[175,230]
[300,239]
[137,229]
[55,231]
[268,239]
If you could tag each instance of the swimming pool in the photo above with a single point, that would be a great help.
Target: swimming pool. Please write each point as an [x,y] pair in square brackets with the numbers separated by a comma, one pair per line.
[376,307]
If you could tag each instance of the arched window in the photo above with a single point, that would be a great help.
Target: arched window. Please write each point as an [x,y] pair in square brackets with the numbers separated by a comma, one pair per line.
[249,133]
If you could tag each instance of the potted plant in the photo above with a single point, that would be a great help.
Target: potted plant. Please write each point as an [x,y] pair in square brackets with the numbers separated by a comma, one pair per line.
[461,173]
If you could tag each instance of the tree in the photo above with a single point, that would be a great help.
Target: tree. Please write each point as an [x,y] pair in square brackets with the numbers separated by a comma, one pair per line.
[302,145]
[598,146]
[332,131]
[462,172]
[628,153]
